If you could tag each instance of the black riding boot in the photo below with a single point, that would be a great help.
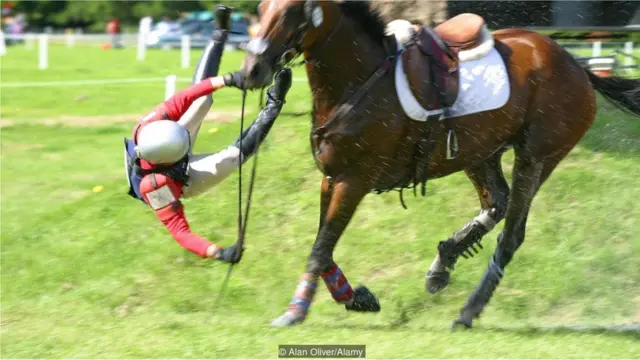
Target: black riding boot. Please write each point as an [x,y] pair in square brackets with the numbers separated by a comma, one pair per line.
[209,62]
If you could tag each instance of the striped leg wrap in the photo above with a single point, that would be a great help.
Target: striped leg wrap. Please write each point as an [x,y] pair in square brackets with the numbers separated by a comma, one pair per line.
[304,295]
[338,284]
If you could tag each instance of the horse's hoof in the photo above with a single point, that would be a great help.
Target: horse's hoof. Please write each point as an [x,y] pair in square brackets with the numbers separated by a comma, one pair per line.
[363,301]
[437,281]
[287,319]
[464,322]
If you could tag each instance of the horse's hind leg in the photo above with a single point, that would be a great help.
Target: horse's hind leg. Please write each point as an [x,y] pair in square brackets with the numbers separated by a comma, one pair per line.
[528,175]
[493,192]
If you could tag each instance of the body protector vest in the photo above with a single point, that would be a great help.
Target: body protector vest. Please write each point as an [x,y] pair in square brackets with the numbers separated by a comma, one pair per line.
[135,172]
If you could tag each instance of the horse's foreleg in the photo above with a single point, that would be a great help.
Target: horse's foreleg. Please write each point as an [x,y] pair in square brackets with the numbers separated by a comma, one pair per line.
[336,281]
[339,201]
[493,192]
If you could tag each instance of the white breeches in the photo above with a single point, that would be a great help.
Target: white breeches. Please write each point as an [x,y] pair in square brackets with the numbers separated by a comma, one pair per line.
[205,170]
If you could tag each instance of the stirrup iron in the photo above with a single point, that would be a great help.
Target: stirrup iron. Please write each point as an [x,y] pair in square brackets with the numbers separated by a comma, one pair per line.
[452,144]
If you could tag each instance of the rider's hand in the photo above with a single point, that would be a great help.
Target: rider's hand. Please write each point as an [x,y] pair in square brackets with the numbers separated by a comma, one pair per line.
[281,85]
[228,254]
[234,79]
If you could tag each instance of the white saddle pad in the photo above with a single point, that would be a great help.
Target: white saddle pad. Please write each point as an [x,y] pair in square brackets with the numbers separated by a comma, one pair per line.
[483,86]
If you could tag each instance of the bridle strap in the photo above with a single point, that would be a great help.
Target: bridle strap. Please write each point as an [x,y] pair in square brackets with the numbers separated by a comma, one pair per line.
[296,42]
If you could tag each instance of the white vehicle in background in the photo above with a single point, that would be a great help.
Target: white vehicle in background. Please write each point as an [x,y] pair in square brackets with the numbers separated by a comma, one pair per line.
[199,26]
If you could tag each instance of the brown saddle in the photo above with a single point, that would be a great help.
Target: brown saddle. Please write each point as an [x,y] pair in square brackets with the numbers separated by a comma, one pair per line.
[431,64]
[462,32]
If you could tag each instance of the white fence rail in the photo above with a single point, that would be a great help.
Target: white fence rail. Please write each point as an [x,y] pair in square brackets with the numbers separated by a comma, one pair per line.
[170,83]
[185,44]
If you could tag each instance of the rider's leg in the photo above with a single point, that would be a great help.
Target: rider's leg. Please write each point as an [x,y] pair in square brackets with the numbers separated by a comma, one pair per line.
[207,170]
[208,66]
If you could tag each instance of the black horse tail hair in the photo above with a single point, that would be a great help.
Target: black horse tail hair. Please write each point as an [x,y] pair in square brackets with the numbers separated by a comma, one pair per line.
[621,92]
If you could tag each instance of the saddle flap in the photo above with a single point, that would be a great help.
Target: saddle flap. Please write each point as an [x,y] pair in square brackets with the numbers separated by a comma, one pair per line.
[431,70]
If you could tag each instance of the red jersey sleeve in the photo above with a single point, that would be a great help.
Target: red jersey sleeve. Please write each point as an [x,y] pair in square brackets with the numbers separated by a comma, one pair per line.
[163,195]
[179,103]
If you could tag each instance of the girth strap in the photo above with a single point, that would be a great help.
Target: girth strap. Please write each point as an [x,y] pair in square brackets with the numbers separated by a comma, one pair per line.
[424,150]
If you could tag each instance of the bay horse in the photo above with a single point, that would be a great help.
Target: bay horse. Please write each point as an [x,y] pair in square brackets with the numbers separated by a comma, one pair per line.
[362,139]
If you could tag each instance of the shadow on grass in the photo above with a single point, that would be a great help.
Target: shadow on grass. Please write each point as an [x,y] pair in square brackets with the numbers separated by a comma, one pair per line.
[405,314]
[629,330]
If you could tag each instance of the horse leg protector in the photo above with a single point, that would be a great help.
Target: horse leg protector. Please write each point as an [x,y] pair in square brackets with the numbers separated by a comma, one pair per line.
[360,299]
[465,240]
[461,243]
[338,285]
[299,305]
[481,295]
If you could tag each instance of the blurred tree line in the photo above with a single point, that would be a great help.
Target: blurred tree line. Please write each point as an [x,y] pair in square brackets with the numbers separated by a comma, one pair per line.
[93,15]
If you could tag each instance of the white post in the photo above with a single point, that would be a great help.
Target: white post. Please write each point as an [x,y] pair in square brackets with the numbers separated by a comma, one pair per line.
[3,45]
[142,46]
[28,41]
[186,51]
[170,86]
[44,52]
[597,48]
[70,37]
[628,49]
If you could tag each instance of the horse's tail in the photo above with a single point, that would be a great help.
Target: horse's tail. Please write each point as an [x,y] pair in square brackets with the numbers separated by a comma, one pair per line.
[621,92]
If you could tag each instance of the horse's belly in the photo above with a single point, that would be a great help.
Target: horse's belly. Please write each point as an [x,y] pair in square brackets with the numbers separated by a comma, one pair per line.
[479,137]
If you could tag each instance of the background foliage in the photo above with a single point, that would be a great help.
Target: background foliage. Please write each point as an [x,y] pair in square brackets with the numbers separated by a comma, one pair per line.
[95,14]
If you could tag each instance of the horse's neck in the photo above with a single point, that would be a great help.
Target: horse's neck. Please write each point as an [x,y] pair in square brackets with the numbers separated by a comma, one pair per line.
[343,66]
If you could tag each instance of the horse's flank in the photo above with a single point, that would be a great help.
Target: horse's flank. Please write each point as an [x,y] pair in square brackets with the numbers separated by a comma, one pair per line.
[381,120]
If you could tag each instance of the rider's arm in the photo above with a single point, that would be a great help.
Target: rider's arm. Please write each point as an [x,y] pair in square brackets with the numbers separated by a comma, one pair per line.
[163,195]
[178,104]
[258,130]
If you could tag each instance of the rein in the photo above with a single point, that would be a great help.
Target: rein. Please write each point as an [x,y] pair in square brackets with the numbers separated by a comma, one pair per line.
[242,225]
[344,111]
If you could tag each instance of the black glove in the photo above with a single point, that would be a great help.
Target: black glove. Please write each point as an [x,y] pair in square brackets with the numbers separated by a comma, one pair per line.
[229,255]
[281,85]
[223,16]
[234,79]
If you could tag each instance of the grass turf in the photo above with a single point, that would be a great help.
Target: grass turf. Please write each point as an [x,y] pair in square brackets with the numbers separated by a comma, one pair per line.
[94,275]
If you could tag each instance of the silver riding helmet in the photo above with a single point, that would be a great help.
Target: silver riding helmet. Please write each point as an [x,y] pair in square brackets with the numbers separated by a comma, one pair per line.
[163,142]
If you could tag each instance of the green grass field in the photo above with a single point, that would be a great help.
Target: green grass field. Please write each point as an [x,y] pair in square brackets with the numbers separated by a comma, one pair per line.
[94,275]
